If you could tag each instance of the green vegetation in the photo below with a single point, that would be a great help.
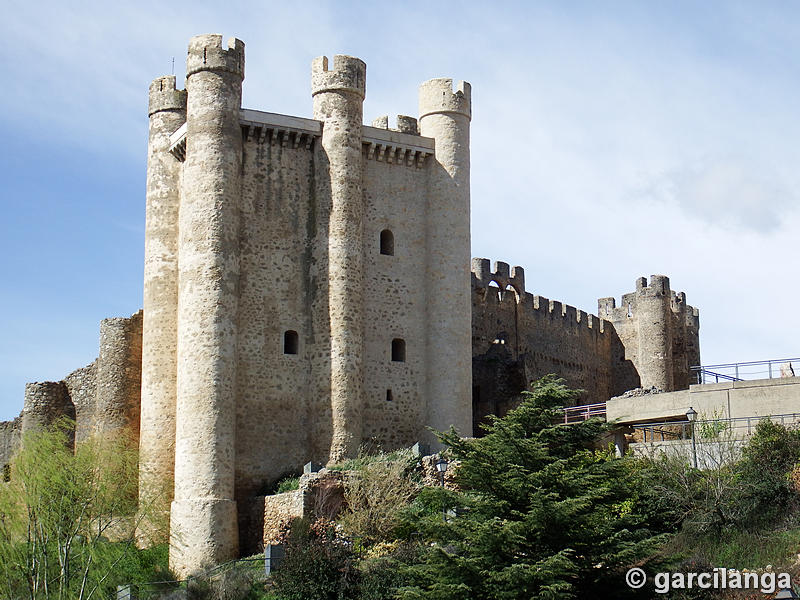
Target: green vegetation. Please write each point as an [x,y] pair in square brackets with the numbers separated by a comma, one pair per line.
[532,509]
[539,512]
[288,484]
[67,520]
[743,511]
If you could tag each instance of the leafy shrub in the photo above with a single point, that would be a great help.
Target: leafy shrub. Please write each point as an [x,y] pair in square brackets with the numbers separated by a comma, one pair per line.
[60,509]
[375,495]
[288,484]
[764,473]
[319,565]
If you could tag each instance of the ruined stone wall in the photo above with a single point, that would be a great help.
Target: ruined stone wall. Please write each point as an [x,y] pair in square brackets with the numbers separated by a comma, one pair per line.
[10,433]
[82,388]
[531,336]
[118,376]
[45,403]
[395,198]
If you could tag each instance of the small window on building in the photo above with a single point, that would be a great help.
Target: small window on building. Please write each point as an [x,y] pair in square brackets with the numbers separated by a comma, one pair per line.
[290,342]
[387,242]
[389,396]
[398,350]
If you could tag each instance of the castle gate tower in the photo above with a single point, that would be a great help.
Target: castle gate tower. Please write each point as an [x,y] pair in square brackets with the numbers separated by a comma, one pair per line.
[203,528]
[338,103]
[445,114]
[160,329]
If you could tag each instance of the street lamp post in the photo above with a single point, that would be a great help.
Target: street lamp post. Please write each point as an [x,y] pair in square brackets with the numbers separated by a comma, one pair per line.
[691,415]
[441,467]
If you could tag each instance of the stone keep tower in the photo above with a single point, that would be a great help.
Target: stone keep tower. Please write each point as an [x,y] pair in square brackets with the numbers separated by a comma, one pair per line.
[307,289]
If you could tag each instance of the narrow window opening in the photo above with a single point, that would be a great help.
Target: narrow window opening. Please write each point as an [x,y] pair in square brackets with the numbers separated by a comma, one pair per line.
[290,342]
[389,396]
[387,242]
[398,350]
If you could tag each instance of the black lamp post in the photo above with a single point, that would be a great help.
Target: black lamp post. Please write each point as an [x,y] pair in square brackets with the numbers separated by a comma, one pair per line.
[441,467]
[691,415]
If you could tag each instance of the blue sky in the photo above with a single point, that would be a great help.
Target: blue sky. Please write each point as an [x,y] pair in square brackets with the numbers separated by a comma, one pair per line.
[610,141]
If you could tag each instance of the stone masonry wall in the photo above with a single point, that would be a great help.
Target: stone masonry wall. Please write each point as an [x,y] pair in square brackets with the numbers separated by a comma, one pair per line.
[658,335]
[10,432]
[45,403]
[82,388]
[277,287]
[395,300]
[530,336]
[652,339]
[118,376]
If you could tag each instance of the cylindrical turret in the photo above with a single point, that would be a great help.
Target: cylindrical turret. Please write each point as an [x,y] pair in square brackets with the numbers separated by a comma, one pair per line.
[338,103]
[203,527]
[167,109]
[118,376]
[45,403]
[445,114]
[652,314]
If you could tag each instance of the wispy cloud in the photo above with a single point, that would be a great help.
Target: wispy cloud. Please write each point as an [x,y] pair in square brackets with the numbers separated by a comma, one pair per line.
[728,192]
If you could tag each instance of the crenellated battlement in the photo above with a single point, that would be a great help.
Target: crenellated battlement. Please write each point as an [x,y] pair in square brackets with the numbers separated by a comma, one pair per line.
[207,54]
[349,74]
[658,287]
[438,96]
[405,124]
[164,95]
[514,277]
[482,275]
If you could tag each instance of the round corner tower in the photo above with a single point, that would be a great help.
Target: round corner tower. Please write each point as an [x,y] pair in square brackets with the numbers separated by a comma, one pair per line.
[653,317]
[444,115]
[203,521]
[167,112]
[338,102]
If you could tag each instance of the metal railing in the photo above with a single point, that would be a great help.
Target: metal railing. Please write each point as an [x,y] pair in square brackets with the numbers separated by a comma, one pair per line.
[708,428]
[758,369]
[576,414]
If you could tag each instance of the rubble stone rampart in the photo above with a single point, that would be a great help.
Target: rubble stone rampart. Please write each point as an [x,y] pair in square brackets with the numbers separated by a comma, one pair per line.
[82,388]
[118,376]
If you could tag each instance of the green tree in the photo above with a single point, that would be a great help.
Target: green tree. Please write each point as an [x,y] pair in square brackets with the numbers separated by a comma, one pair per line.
[540,513]
[67,519]
[767,492]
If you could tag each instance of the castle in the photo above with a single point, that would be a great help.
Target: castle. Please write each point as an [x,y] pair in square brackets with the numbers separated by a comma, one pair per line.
[308,290]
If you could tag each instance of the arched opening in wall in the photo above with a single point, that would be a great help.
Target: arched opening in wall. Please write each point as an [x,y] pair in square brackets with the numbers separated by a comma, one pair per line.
[387,243]
[398,350]
[389,396]
[290,342]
